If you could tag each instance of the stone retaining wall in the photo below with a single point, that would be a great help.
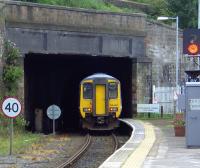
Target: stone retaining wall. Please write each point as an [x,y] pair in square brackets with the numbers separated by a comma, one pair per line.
[2,34]
[81,20]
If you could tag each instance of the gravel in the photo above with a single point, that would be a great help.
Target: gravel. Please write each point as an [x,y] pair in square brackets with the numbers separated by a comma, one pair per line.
[101,148]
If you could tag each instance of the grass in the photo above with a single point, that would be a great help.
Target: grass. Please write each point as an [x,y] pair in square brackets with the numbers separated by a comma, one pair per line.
[153,116]
[21,138]
[89,4]
[21,141]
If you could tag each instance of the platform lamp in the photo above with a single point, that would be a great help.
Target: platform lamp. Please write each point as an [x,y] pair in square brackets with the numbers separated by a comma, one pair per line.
[177,54]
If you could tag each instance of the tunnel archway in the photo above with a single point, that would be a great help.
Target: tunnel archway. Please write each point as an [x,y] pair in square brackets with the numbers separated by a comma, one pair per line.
[55,78]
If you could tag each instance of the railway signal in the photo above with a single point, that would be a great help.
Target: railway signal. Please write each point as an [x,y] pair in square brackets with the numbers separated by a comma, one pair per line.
[191,42]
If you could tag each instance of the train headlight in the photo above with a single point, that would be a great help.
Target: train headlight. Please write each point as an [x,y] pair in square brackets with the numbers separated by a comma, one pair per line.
[87,110]
[113,109]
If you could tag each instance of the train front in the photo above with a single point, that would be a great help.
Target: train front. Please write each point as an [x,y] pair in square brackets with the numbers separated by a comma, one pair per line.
[100,102]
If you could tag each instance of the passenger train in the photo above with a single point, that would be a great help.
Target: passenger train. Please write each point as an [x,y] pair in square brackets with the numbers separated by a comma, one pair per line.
[100,102]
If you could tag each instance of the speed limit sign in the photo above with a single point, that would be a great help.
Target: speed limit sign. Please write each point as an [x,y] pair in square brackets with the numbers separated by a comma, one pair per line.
[11,107]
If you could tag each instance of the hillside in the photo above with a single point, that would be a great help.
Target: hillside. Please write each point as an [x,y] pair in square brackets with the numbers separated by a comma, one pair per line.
[88,4]
[186,10]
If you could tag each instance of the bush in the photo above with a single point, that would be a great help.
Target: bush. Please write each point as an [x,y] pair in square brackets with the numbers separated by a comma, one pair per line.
[179,123]
[12,72]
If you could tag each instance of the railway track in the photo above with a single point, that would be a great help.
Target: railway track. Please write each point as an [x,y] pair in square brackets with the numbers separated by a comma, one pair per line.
[116,142]
[80,153]
[102,146]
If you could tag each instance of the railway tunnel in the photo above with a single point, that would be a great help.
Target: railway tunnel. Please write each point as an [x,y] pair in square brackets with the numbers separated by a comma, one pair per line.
[55,78]
[111,43]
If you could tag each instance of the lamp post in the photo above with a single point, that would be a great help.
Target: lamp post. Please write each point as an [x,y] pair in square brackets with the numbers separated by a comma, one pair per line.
[177,54]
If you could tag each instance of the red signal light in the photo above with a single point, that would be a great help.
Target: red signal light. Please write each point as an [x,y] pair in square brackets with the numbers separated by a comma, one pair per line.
[193,48]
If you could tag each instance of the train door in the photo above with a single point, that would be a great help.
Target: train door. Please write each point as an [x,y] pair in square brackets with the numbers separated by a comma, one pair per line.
[100,100]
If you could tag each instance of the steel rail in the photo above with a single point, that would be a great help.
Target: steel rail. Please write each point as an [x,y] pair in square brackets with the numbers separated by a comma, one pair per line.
[77,155]
[116,142]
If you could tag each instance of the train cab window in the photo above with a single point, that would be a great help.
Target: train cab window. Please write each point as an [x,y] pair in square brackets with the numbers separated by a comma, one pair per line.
[112,90]
[87,90]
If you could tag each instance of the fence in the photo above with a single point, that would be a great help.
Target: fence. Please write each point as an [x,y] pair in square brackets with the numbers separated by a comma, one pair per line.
[165,97]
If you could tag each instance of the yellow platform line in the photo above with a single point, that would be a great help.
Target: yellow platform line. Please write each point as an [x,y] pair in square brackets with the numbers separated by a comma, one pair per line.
[137,158]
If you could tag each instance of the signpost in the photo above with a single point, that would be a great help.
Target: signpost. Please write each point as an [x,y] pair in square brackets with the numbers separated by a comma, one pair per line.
[11,107]
[53,112]
[148,108]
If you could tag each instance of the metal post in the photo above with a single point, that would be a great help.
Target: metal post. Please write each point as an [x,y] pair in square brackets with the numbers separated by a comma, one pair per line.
[198,27]
[198,14]
[177,54]
[161,111]
[11,135]
[54,127]
[53,109]
[177,60]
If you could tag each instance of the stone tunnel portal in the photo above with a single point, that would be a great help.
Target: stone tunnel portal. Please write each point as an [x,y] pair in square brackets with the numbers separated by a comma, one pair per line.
[54,79]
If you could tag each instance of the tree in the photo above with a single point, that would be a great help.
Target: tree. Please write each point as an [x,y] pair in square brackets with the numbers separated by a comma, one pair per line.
[186,10]
[158,8]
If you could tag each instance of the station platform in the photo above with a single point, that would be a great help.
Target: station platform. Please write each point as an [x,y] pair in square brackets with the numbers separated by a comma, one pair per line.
[153,145]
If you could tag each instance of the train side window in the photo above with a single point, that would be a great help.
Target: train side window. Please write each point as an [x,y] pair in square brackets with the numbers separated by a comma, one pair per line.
[112,90]
[87,91]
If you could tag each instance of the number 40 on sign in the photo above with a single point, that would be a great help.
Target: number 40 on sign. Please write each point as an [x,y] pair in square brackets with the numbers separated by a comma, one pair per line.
[11,107]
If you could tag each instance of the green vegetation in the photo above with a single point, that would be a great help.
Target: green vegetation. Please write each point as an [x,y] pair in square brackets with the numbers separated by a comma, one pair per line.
[12,72]
[87,4]
[21,139]
[153,116]
[179,123]
[186,10]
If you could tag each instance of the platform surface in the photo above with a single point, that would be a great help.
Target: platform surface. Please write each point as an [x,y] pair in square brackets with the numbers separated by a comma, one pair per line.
[136,148]
[154,145]
[170,151]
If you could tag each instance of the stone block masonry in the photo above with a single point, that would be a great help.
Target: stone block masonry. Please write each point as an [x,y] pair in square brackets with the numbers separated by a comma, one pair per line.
[161,47]
[2,34]
[2,28]
[71,19]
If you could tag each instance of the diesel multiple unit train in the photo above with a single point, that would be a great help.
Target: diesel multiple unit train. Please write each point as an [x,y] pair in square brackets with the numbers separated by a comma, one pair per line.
[100,102]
